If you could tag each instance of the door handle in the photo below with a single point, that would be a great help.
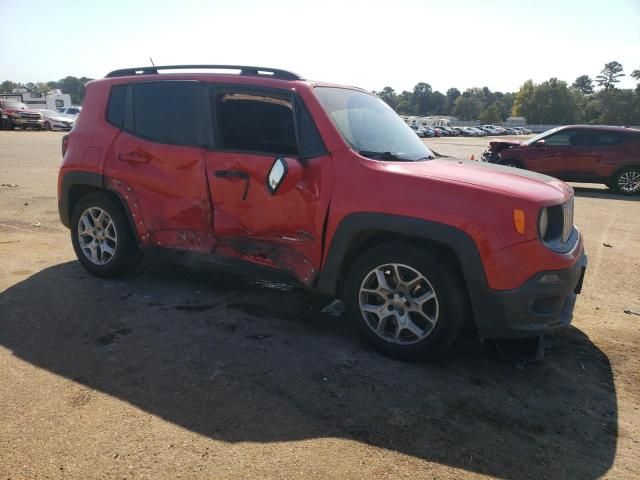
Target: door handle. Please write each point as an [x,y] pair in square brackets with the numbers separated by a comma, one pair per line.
[135,156]
[231,174]
[235,174]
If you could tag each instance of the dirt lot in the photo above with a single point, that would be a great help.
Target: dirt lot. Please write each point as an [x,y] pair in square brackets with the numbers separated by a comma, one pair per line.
[175,373]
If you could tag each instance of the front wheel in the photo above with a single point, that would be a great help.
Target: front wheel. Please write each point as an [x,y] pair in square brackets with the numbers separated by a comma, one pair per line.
[627,181]
[102,237]
[406,303]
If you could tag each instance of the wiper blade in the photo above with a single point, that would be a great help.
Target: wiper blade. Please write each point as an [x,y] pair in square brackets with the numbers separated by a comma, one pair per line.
[382,156]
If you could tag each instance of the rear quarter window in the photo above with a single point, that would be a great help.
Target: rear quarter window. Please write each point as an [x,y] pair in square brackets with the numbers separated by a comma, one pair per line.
[115,108]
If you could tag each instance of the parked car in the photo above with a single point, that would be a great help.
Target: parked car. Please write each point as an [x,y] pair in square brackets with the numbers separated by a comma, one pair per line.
[451,131]
[55,120]
[14,114]
[522,130]
[325,186]
[479,132]
[419,131]
[70,112]
[462,132]
[577,153]
[440,132]
[469,132]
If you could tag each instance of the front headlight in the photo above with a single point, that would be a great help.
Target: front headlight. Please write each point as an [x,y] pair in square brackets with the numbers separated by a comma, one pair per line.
[543,223]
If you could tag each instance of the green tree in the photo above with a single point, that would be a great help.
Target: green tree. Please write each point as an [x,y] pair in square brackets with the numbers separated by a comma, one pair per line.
[610,75]
[491,114]
[549,102]
[437,103]
[452,96]
[405,103]
[636,75]
[523,101]
[583,84]
[467,108]
[388,95]
[7,86]
[618,107]
[421,94]
[74,87]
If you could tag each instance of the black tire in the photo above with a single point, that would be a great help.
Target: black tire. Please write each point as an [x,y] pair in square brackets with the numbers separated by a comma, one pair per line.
[632,173]
[47,126]
[446,283]
[126,254]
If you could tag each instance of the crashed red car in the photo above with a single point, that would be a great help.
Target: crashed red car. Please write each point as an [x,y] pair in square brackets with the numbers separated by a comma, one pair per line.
[577,153]
[15,114]
[260,171]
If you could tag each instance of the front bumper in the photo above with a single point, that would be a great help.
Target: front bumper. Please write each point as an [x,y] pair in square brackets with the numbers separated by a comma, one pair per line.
[544,304]
[27,122]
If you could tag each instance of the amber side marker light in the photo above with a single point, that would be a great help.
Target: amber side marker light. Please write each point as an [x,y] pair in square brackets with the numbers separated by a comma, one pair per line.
[518,220]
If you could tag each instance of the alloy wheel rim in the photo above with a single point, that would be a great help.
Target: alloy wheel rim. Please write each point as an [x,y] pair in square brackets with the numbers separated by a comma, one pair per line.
[97,236]
[629,182]
[398,304]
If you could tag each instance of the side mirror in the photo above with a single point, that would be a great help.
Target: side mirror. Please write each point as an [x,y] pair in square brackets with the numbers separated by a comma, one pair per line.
[539,143]
[284,175]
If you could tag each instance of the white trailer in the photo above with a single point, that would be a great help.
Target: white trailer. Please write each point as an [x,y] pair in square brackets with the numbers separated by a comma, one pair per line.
[53,100]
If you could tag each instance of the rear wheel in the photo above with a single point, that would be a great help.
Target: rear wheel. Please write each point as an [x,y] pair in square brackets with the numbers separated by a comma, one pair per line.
[406,303]
[627,181]
[102,237]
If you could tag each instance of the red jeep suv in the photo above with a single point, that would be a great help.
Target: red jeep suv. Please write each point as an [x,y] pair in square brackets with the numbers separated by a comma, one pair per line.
[260,171]
[578,153]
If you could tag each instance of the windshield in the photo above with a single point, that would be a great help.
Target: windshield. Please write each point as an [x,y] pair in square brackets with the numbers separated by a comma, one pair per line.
[370,126]
[540,136]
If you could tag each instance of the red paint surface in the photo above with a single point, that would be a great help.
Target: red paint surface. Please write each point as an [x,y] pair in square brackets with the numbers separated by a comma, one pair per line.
[178,201]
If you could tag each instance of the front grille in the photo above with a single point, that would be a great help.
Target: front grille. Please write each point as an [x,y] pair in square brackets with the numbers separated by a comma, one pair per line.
[567,220]
[30,116]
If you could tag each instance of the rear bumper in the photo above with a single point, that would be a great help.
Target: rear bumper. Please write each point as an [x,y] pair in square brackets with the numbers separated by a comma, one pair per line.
[543,304]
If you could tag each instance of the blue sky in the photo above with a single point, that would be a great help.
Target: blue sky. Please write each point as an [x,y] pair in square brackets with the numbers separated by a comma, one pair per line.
[461,43]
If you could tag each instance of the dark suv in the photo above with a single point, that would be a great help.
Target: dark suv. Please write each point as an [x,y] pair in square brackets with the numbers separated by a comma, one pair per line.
[578,153]
[260,171]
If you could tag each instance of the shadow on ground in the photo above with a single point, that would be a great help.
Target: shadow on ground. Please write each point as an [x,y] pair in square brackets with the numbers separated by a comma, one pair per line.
[237,362]
[607,193]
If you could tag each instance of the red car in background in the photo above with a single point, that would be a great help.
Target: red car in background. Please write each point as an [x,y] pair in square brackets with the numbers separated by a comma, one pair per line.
[577,153]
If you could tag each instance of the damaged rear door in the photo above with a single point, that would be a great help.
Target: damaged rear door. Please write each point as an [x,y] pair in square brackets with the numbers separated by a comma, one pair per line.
[262,136]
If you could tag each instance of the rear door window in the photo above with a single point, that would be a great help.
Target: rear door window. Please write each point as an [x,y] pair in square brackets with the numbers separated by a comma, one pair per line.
[167,112]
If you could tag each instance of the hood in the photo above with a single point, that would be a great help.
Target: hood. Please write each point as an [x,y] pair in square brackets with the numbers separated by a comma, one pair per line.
[512,181]
[497,146]
[21,110]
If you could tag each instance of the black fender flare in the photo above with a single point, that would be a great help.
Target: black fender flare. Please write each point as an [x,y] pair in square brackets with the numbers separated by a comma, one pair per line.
[72,179]
[354,224]
[87,179]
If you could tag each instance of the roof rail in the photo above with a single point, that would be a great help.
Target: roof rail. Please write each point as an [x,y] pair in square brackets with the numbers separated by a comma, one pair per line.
[244,70]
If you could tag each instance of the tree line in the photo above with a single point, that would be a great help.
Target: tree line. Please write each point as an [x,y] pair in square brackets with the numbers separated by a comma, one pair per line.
[552,102]
[72,85]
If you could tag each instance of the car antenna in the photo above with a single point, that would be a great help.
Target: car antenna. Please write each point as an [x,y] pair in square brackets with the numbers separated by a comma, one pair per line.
[151,60]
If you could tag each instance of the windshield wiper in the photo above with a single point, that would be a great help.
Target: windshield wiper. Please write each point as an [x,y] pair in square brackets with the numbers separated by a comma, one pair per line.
[383,156]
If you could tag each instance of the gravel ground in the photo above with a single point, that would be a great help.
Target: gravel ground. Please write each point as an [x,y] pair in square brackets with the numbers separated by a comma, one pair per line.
[176,373]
